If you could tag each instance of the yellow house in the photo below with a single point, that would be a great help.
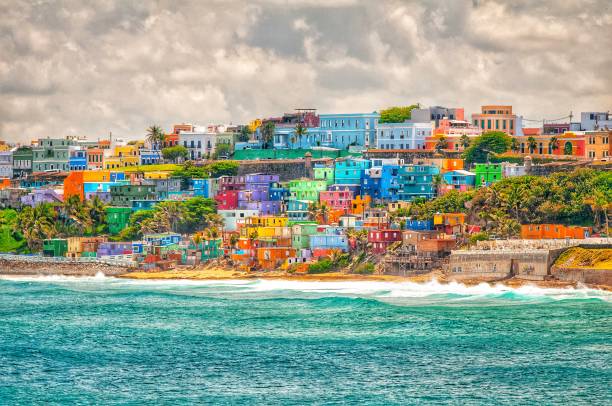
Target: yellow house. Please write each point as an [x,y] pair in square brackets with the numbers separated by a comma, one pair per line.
[266,232]
[157,175]
[267,221]
[360,204]
[125,155]
[449,219]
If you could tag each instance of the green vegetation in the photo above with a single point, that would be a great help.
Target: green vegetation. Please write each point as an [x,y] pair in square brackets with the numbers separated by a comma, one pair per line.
[267,134]
[152,168]
[589,258]
[582,197]
[155,135]
[245,133]
[213,170]
[486,145]
[11,240]
[366,268]
[175,153]
[188,216]
[222,150]
[322,266]
[397,114]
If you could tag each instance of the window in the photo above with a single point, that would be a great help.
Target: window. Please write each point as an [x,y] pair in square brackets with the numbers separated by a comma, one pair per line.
[489,124]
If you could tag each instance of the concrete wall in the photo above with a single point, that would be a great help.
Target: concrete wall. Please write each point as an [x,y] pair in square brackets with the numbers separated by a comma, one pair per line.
[491,265]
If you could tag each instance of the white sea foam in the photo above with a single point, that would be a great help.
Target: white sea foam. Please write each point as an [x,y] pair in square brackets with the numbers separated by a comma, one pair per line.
[372,289]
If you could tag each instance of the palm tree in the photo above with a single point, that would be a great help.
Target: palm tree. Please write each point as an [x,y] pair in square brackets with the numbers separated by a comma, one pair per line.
[532,143]
[600,205]
[214,221]
[464,141]
[300,131]
[514,145]
[267,134]
[437,181]
[155,136]
[36,224]
[553,143]
[245,133]
[441,144]
[97,210]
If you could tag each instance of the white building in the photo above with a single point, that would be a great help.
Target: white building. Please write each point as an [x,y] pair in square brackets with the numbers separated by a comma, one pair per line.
[6,164]
[592,120]
[233,218]
[405,135]
[200,143]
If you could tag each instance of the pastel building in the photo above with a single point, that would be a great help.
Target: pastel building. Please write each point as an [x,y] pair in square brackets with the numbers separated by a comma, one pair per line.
[305,189]
[401,136]
[417,181]
[337,198]
[351,171]
[22,162]
[342,130]
[497,118]
[233,219]
[51,154]
[298,210]
[486,174]
[199,143]
[78,159]
[6,164]
[436,114]
[381,239]
[460,180]
[553,231]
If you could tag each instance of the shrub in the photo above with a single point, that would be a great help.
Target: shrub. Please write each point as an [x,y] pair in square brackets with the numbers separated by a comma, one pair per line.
[321,266]
[364,269]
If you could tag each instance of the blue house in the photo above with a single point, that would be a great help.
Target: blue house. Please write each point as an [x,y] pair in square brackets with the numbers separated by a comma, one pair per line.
[405,135]
[329,241]
[201,187]
[78,160]
[162,239]
[389,183]
[419,225]
[417,181]
[459,180]
[278,192]
[150,156]
[297,210]
[350,171]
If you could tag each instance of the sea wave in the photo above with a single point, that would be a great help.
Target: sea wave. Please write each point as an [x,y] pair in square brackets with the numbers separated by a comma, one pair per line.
[391,292]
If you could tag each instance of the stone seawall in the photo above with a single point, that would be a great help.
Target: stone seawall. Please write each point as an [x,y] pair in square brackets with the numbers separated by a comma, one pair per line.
[588,276]
[24,267]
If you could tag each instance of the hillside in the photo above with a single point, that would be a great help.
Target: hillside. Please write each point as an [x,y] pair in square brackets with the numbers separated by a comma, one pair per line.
[586,258]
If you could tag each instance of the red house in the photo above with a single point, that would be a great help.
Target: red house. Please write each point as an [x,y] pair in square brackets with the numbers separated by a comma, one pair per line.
[227,200]
[381,239]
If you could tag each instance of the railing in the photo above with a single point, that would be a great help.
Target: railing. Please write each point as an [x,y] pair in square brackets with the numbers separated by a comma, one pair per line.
[118,260]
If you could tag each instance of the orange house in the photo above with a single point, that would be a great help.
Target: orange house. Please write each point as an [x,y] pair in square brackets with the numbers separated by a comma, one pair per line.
[270,258]
[360,203]
[4,183]
[73,183]
[553,231]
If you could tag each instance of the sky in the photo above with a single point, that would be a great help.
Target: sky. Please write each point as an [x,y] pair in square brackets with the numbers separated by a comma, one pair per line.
[87,68]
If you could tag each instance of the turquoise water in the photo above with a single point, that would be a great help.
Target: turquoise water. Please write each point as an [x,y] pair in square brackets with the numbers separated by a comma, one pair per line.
[109,341]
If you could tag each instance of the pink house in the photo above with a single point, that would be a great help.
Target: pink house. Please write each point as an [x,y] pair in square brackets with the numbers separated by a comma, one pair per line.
[337,199]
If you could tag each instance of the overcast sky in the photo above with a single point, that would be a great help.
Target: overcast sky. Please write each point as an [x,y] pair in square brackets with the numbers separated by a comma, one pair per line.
[68,68]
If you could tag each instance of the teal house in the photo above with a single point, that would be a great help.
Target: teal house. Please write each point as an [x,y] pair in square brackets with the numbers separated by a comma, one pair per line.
[417,181]
[351,171]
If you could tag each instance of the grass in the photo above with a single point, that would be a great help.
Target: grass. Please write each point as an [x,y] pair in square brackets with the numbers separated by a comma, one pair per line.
[153,168]
[588,258]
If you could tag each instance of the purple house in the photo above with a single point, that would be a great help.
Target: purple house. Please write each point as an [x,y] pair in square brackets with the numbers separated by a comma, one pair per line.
[114,248]
[38,196]
[266,207]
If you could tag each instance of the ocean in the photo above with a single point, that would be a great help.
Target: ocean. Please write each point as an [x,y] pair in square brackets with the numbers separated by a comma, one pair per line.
[111,341]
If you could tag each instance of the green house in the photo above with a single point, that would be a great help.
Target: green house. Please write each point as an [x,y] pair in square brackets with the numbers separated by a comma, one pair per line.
[51,154]
[55,247]
[211,249]
[22,162]
[305,189]
[487,174]
[300,234]
[117,218]
[324,173]
[125,195]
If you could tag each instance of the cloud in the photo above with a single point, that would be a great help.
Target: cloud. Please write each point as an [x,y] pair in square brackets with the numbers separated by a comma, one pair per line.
[71,68]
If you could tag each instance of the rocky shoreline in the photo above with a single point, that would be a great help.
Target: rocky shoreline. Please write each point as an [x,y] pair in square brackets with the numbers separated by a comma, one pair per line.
[30,268]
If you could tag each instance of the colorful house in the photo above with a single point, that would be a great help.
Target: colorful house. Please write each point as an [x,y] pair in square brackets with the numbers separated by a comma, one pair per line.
[337,199]
[271,258]
[55,247]
[459,179]
[417,181]
[381,239]
[117,218]
[450,223]
[324,173]
[227,199]
[553,231]
[300,235]
[360,204]
[305,189]
[125,195]
[298,210]
[487,174]
[350,171]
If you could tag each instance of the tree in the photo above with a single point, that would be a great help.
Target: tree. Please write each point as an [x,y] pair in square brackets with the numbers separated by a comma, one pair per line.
[175,153]
[267,134]
[437,181]
[490,142]
[155,136]
[36,224]
[222,150]
[464,141]
[397,114]
[441,144]
[553,143]
[245,134]
[568,148]
[514,145]
[300,131]
[532,144]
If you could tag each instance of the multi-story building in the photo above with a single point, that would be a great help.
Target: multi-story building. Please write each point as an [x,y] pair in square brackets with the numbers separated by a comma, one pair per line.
[298,210]
[22,162]
[453,132]
[417,181]
[337,198]
[78,159]
[579,144]
[117,218]
[342,130]
[487,174]
[125,195]
[95,158]
[351,171]
[498,118]
[592,120]
[200,143]
[232,219]
[407,135]
[553,231]
[325,173]
[381,239]
[459,179]
[6,164]
[435,114]
[123,156]
[51,154]
[305,189]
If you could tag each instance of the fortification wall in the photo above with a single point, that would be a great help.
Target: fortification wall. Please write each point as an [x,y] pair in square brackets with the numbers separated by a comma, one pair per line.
[287,169]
